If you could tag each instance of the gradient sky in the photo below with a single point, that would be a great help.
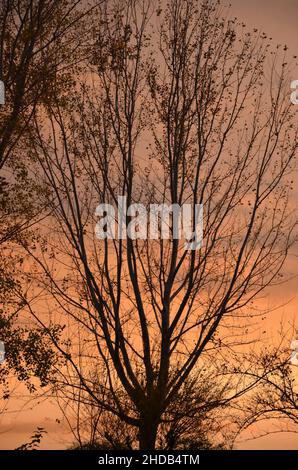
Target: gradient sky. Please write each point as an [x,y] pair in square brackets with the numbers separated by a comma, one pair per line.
[278,18]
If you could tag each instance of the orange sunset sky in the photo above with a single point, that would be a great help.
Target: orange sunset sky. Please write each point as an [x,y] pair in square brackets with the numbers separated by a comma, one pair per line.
[277,18]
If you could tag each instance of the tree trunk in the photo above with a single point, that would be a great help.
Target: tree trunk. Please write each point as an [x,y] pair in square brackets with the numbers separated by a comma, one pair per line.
[147,434]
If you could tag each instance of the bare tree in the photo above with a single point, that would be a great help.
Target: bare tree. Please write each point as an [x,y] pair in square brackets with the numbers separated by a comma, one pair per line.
[180,105]
[273,404]
[200,416]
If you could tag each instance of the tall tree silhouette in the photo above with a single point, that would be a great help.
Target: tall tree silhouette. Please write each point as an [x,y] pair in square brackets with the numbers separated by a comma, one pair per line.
[177,106]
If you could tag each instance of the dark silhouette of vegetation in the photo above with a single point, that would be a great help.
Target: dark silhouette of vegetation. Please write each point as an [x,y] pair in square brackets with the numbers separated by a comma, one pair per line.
[160,104]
